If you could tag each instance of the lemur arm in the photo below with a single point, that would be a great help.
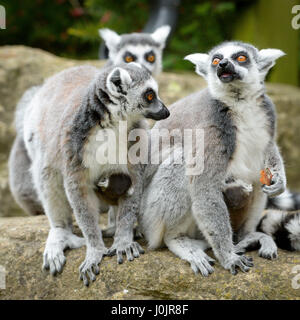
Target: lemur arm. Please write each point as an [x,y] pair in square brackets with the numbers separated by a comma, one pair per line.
[126,218]
[85,205]
[274,162]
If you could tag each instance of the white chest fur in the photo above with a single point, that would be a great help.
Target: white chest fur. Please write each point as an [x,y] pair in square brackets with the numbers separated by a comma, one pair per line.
[101,154]
[252,137]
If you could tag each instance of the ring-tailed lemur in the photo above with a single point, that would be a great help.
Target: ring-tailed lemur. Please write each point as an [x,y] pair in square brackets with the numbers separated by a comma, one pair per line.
[147,50]
[143,48]
[60,127]
[188,213]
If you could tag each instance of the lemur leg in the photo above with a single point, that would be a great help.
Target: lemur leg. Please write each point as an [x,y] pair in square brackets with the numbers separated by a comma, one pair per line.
[191,250]
[248,235]
[212,217]
[111,228]
[86,206]
[59,213]
[20,179]
[128,211]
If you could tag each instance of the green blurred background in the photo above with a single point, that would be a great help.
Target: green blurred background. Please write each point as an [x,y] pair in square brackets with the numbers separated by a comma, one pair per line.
[70,27]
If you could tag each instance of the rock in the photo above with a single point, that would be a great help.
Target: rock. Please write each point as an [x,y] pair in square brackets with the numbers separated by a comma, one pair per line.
[155,275]
[22,67]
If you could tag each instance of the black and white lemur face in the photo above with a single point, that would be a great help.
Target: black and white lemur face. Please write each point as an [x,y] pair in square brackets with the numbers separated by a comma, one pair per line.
[233,65]
[134,91]
[143,48]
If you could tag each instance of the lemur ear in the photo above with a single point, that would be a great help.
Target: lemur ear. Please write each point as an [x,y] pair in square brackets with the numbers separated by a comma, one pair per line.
[201,62]
[160,35]
[267,58]
[118,82]
[111,38]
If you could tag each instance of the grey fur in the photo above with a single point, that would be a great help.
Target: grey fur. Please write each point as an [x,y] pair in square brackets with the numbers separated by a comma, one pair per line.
[60,126]
[239,125]
[20,180]
[137,45]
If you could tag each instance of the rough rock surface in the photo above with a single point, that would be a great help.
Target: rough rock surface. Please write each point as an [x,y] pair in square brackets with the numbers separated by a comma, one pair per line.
[155,275]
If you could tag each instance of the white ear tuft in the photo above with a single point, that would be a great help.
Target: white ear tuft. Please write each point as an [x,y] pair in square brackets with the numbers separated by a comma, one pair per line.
[267,58]
[160,35]
[201,62]
[118,81]
[111,38]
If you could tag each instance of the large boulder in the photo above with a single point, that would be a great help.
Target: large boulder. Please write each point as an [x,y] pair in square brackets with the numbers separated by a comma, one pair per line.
[22,67]
[155,275]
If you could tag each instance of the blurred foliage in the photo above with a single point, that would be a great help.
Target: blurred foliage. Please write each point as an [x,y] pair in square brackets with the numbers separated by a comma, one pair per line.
[70,27]
[201,24]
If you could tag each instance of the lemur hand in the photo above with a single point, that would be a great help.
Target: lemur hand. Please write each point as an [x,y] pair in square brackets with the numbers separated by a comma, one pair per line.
[90,266]
[125,245]
[237,260]
[276,188]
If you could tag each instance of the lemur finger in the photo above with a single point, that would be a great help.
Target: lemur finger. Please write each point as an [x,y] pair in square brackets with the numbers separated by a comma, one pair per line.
[45,262]
[135,251]
[141,250]
[52,268]
[129,253]
[96,269]
[248,261]
[204,265]
[233,270]
[194,267]
[58,265]
[120,256]
[111,252]
[91,274]
[242,266]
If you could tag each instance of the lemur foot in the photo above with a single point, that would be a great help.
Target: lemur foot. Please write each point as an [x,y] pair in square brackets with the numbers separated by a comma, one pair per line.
[58,240]
[89,268]
[201,262]
[268,248]
[131,249]
[241,261]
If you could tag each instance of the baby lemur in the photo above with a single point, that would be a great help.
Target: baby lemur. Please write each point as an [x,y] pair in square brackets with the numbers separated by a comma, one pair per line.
[60,127]
[188,213]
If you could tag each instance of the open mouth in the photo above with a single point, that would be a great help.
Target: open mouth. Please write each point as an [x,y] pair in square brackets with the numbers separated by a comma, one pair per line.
[226,76]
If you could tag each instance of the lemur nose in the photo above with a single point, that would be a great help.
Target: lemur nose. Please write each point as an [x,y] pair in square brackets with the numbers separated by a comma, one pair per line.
[223,63]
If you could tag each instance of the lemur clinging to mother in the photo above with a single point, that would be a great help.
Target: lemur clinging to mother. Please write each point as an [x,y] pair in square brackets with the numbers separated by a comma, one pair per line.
[189,213]
[60,127]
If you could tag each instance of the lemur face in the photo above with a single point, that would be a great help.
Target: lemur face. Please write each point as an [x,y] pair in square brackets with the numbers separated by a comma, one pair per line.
[145,49]
[231,63]
[136,92]
[234,64]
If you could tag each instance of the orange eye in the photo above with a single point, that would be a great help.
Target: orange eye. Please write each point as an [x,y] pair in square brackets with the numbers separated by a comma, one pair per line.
[128,59]
[241,58]
[150,96]
[151,58]
[216,61]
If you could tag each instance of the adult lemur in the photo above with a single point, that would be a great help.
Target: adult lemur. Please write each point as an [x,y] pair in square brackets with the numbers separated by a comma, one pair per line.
[62,128]
[188,213]
[146,49]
